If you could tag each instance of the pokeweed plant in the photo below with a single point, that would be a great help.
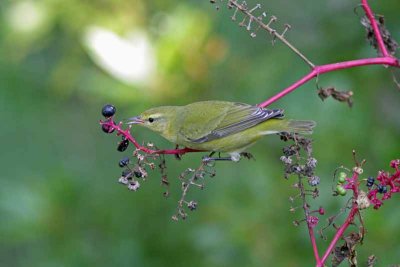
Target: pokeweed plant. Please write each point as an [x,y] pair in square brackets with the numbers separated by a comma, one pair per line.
[297,158]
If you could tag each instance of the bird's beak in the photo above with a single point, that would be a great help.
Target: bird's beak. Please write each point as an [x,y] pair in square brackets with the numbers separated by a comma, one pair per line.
[135,120]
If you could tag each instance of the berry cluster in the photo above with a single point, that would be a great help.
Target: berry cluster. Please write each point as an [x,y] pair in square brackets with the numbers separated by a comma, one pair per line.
[385,185]
[341,184]
[379,189]
[133,171]
[148,157]
[108,112]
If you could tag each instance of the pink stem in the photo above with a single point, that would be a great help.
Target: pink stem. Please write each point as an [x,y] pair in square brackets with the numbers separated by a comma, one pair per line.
[338,235]
[129,137]
[313,243]
[377,32]
[329,68]
[350,218]
[289,89]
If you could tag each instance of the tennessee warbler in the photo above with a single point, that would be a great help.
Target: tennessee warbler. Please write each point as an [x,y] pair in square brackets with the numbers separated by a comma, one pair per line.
[218,126]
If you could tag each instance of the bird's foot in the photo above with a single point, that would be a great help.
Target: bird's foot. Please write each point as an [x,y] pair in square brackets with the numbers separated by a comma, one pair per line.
[177,156]
[247,155]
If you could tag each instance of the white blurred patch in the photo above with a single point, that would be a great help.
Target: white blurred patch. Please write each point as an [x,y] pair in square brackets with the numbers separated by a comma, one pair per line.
[25,16]
[130,59]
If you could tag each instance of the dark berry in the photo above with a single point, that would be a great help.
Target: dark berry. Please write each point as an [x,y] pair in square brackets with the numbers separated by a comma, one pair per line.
[108,110]
[123,145]
[370,181]
[107,128]
[138,174]
[340,190]
[382,189]
[123,162]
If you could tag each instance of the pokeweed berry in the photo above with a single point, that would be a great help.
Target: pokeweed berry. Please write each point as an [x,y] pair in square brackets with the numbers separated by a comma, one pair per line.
[123,162]
[342,177]
[107,128]
[382,189]
[340,190]
[370,181]
[341,180]
[108,110]
[137,174]
[123,145]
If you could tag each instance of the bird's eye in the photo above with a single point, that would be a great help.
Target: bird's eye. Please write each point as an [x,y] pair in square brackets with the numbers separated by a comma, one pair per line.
[151,119]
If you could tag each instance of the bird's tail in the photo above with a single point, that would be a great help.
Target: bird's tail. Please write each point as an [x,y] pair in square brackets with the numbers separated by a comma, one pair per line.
[275,126]
[300,127]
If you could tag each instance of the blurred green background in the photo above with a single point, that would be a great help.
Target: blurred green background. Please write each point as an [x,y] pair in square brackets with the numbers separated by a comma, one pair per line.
[61,61]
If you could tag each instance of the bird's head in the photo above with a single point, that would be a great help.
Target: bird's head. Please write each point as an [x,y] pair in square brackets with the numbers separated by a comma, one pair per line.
[156,119]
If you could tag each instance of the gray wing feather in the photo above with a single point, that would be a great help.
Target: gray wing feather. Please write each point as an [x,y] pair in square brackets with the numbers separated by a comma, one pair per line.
[258,116]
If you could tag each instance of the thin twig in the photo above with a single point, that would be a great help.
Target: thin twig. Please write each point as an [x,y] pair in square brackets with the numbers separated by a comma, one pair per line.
[270,30]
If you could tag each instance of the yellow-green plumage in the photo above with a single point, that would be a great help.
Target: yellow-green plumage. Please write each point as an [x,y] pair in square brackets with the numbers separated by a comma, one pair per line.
[218,125]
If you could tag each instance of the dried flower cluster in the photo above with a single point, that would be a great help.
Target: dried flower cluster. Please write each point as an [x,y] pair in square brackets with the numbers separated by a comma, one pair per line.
[138,170]
[192,178]
[253,20]
[298,160]
[389,42]
[295,162]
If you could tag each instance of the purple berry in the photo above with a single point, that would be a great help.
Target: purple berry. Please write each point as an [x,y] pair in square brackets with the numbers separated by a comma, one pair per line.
[107,128]
[123,145]
[108,111]
[123,162]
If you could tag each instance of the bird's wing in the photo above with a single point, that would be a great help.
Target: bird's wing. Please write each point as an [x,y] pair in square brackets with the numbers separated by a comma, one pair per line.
[235,118]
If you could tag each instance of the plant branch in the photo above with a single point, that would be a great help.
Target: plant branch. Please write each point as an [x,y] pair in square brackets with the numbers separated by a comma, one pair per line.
[318,70]
[353,181]
[386,59]
[375,27]
[243,8]
[307,215]
[111,126]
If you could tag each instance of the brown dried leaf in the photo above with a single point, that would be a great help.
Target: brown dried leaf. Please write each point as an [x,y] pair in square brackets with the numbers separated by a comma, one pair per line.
[339,255]
[341,96]
[347,250]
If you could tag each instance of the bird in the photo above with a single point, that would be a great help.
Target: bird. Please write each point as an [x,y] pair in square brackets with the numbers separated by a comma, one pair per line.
[218,126]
